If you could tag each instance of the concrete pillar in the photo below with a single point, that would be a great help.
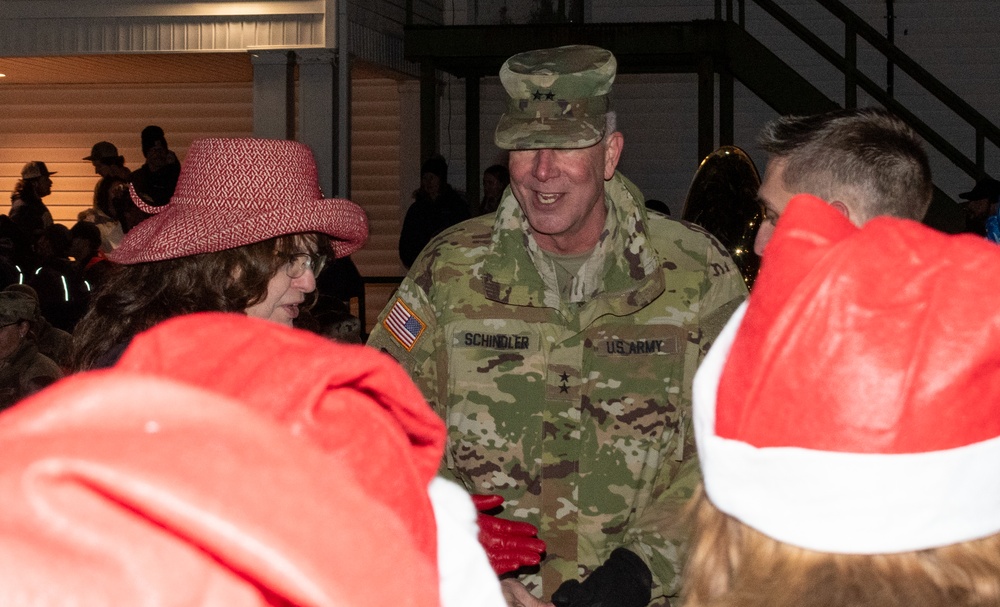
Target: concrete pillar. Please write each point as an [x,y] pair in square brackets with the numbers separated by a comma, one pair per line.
[472,172]
[273,98]
[318,112]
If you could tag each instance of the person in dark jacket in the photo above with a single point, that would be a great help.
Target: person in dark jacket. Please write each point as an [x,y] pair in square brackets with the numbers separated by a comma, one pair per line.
[27,210]
[436,206]
[156,179]
[496,178]
[113,183]
[63,294]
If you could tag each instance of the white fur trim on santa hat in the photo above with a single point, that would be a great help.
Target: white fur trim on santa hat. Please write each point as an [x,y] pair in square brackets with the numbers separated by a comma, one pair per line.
[464,571]
[851,503]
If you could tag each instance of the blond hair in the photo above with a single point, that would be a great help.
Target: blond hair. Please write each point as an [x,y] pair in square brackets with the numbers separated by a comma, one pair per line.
[733,565]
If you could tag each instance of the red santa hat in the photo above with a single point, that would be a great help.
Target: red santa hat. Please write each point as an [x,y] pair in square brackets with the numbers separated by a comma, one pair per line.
[851,406]
[224,461]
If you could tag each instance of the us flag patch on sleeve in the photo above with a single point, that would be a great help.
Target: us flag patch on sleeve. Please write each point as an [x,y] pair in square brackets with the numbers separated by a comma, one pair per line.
[403,324]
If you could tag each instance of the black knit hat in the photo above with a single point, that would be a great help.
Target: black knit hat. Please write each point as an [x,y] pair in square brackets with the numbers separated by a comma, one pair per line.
[436,165]
[150,135]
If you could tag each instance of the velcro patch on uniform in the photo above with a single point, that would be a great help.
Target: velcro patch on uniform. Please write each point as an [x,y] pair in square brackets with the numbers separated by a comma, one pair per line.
[494,341]
[403,325]
[636,347]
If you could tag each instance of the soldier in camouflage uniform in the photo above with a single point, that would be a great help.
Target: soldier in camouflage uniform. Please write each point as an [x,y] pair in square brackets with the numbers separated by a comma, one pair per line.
[23,369]
[558,340]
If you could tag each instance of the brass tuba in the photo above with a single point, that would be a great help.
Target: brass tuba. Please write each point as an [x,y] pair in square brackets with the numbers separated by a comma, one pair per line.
[723,200]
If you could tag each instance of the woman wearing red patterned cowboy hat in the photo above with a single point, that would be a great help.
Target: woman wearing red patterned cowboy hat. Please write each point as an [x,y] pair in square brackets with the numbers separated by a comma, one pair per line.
[247,230]
[847,425]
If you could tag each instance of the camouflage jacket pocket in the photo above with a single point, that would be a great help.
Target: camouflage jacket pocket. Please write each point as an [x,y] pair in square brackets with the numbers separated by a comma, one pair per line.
[631,412]
[494,408]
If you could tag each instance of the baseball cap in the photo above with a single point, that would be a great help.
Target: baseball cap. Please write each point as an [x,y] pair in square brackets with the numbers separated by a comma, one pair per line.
[558,98]
[35,169]
[987,187]
[102,150]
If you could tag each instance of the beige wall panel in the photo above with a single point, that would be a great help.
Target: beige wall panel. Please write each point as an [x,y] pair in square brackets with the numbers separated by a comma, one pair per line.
[58,124]
[375,167]
[372,153]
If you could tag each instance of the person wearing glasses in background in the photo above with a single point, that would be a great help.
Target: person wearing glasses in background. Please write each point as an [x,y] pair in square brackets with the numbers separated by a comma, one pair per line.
[246,231]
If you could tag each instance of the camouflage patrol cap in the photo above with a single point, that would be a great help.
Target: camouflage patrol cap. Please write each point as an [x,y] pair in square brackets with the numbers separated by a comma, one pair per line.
[17,306]
[558,98]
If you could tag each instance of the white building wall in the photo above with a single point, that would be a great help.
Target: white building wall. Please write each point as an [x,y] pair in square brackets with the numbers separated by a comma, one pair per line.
[64,27]
[958,41]
[376,30]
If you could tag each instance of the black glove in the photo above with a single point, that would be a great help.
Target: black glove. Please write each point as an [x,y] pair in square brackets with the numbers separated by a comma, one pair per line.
[622,581]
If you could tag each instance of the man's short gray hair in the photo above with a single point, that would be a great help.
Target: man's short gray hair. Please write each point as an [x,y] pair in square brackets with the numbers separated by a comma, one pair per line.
[610,122]
[866,155]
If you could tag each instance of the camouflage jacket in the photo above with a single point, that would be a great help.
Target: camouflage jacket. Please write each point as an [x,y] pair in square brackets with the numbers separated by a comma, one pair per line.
[25,372]
[576,412]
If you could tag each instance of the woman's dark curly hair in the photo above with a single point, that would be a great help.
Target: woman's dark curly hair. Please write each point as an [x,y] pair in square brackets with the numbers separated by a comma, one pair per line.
[135,297]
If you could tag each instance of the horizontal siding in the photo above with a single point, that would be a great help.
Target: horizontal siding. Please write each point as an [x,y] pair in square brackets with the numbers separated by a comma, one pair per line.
[58,125]
[376,161]
[374,153]
[375,168]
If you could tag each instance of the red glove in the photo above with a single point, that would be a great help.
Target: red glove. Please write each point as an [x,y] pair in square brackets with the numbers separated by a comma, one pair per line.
[508,544]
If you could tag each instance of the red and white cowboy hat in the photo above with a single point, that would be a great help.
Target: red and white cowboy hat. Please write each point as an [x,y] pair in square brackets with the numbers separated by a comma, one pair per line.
[235,192]
[851,405]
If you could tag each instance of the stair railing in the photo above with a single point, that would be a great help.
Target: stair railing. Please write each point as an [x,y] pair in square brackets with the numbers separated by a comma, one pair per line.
[855,26]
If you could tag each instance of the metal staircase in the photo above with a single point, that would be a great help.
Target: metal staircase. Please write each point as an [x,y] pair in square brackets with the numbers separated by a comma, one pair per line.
[719,46]
[783,89]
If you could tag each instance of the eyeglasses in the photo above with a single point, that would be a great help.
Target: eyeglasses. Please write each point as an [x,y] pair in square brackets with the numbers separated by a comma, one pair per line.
[297,264]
